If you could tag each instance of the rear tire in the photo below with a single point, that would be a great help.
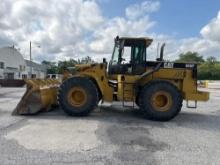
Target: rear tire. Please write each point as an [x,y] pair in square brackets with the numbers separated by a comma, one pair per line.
[78,96]
[160,100]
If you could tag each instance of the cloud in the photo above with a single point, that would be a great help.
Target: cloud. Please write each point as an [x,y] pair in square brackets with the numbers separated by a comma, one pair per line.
[203,46]
[68,31]
[208,44]
[103,37]
[56,25]
[138,10]
[212,30]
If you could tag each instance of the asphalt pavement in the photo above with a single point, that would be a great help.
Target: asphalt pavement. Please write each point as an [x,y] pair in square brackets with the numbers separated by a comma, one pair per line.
[110,135]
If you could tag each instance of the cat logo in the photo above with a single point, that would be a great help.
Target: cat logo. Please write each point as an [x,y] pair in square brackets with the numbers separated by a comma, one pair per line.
[168,65]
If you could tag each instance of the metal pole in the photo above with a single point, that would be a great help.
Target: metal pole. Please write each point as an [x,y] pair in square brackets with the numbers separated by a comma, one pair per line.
[30,62]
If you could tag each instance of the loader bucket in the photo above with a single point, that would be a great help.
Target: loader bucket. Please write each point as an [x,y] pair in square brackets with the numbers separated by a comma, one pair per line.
[40,96]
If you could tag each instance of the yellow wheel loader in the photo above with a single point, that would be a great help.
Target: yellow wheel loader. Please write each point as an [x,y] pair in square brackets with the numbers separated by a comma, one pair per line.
[157,87]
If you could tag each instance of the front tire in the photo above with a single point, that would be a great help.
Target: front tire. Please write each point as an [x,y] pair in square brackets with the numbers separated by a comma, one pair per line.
[78,96]
[160,100]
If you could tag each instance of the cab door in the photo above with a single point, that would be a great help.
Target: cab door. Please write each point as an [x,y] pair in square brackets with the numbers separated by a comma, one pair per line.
[121,61]
[138,59]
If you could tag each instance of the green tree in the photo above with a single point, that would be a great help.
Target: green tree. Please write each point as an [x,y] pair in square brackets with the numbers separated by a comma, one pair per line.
[211,60]
[210,70]
[53,68]
[62,65]
[190,57]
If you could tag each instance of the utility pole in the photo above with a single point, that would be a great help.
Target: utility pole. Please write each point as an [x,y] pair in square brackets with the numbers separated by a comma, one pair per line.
[31,67]
[30,62]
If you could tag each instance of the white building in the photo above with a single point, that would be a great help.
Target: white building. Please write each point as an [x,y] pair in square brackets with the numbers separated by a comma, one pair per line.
[14,66]
[38,70]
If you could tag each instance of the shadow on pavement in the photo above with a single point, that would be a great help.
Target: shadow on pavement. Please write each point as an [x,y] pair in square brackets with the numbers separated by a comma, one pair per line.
[133,116]
[198,121]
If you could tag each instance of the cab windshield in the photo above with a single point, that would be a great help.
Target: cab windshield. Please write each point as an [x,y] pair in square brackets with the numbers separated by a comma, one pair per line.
[128,53]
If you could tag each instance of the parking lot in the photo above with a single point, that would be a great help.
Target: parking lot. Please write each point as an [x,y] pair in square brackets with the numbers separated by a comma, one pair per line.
[110,135]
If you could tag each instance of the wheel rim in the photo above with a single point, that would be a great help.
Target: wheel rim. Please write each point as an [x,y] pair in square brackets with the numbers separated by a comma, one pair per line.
[77,96]
[161,101]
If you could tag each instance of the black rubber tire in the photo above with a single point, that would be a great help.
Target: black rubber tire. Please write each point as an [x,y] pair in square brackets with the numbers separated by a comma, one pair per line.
[145,100]
[91,92]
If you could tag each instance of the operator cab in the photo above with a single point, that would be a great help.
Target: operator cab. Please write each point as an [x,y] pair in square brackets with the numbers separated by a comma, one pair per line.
[129,56]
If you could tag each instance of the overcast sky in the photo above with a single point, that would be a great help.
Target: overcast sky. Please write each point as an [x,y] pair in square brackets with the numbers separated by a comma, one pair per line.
[76,28]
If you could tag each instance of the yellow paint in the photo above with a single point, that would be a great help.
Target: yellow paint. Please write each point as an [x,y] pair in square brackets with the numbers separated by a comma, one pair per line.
[41,92]
[98,74]
[181,78]
[77,96]
[206,84]
[161,101]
